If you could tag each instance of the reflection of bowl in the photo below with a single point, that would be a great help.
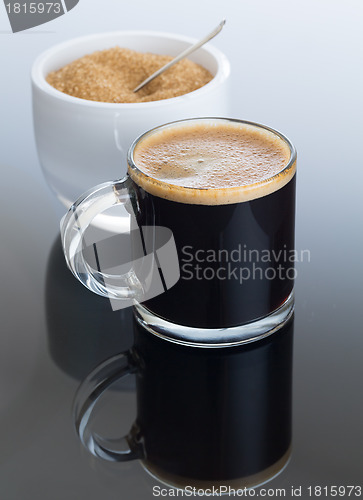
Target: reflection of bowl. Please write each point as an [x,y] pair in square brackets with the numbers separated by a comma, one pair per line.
[83,330]
[82,143]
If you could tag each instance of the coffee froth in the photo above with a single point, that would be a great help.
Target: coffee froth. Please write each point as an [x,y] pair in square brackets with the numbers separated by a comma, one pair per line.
[212,162]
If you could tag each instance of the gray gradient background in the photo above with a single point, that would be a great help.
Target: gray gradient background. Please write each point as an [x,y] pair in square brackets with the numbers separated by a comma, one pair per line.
[297,66]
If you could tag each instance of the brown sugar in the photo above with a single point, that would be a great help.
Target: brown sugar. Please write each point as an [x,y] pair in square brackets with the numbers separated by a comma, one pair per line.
[111,75]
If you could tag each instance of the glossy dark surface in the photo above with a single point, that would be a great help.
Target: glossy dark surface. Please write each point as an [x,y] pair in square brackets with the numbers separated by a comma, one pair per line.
[53,333]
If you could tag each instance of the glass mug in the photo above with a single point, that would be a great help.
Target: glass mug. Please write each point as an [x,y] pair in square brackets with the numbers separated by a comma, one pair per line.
[206,416]
[236,276]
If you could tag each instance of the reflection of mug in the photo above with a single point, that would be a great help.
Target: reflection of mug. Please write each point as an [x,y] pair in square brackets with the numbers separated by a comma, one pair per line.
[205,416]
[223,235]
[81,143]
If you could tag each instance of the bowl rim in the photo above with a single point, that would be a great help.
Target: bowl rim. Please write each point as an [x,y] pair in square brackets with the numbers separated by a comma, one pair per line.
[39,81]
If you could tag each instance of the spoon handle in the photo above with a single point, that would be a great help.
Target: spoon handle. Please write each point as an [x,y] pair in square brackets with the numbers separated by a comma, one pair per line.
[182,55]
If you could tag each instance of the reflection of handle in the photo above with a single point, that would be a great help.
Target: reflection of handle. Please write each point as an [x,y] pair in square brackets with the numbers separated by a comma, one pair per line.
[88,394]
[73,227]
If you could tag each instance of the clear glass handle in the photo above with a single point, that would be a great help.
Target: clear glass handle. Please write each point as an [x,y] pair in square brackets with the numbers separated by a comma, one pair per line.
[73,227]
[96,383]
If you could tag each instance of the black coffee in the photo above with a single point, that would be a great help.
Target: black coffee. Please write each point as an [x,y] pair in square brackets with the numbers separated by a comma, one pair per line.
[214,415]
[227,192]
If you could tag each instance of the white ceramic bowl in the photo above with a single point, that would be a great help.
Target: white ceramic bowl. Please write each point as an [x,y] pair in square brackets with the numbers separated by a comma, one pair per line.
[82,143]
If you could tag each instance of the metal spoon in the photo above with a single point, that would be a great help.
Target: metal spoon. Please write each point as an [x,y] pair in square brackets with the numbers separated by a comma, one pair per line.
[185,53]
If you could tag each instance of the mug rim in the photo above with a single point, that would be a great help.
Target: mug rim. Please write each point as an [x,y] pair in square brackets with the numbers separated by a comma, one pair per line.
[38,78]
